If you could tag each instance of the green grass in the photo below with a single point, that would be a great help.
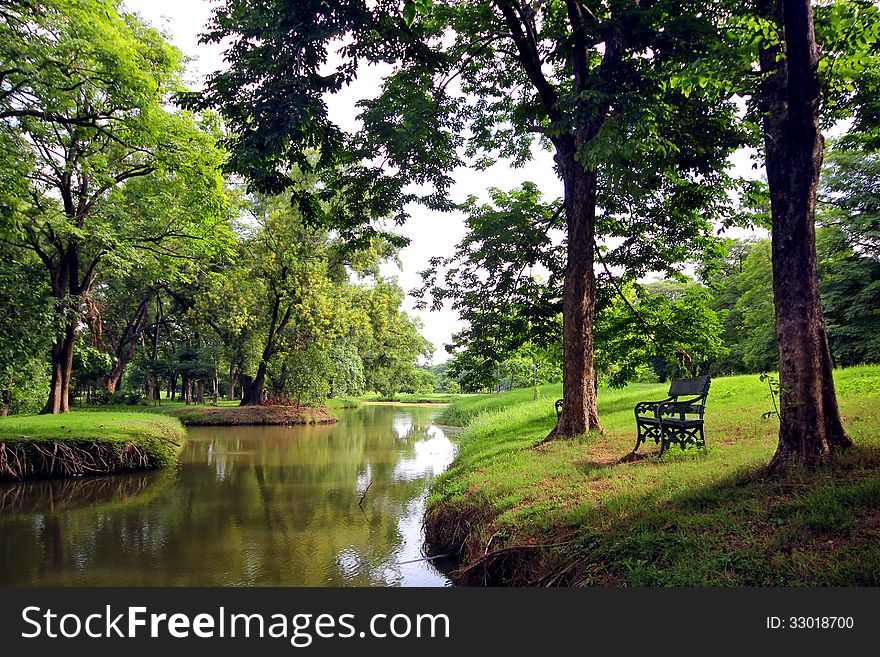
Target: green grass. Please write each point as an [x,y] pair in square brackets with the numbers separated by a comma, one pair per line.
[166,406]
[701,517]
[110,426]
[340,403]
[157,438]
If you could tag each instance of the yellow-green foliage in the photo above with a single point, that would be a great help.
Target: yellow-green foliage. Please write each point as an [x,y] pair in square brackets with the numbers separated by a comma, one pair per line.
[698,517]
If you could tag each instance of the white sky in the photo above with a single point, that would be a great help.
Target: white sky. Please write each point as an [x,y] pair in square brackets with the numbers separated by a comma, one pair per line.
[431,233]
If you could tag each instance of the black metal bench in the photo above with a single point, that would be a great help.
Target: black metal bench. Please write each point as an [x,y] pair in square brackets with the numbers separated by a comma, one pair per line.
[674,420]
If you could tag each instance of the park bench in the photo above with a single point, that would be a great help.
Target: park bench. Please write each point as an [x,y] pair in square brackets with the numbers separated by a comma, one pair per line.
[676,419]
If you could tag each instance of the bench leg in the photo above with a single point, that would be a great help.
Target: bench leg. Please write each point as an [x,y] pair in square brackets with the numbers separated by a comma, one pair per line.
[643,433]
[640,437]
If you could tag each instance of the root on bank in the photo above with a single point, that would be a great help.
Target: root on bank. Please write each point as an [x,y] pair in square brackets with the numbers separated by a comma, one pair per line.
[70,458]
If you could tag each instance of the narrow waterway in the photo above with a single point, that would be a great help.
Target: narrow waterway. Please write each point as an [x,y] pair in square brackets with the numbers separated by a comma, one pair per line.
[334,505]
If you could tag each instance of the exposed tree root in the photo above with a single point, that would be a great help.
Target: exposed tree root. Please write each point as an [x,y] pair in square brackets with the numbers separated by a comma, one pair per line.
[46,459]
[461,533]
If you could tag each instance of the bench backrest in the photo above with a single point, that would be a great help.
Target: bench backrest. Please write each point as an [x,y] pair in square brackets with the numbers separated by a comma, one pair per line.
[697,385]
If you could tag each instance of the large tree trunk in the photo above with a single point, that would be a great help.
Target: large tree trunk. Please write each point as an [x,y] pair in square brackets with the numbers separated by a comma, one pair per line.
[62,364]
[809,423]
[579,411]
[252,388]
[111,383]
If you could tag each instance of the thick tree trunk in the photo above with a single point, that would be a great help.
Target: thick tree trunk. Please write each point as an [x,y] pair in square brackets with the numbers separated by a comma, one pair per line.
[252,388]
[62,364]
[579,411]
[809,424]
[111,383]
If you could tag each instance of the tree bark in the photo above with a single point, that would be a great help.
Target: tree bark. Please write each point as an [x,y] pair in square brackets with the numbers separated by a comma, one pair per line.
[252,388]
[580,413]
[810,428]
[127,345]
[62,364]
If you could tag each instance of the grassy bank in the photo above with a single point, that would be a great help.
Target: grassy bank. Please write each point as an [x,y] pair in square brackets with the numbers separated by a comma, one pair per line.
[337,403]
[421,398]
[249,415]
[228,413]
[570,512]
[75,444]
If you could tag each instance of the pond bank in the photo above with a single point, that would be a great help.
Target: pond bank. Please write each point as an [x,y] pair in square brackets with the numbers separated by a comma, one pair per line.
[574,513]
[405,403]
[84,444]
[251,415]
[309,505]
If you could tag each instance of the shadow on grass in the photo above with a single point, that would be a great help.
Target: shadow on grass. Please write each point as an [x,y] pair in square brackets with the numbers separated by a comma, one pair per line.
[808,528]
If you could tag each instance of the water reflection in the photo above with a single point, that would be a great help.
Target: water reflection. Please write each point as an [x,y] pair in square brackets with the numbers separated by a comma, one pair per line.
[246,506]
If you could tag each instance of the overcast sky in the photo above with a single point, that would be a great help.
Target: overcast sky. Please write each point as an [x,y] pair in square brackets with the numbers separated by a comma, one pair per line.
[430,233]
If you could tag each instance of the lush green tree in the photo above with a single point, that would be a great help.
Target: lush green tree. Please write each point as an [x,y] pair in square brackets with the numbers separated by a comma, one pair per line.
[25,323]
[84,114]
[669,325]
[445,382]
[849,284]
[740,278]
[848,246]
[289,266]
[849,199]
[346,369]
[504,280]
[801,67]
[590,77]
[394,344]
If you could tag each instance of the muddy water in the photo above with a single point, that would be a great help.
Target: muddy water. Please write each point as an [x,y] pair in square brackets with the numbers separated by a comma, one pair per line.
[337,505]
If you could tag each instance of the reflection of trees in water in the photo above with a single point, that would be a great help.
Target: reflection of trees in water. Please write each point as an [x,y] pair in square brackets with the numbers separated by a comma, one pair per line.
[42,525]
[268,506]
[58,494]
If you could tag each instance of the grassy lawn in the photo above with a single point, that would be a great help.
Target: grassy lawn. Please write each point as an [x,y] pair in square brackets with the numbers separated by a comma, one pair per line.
[86,443]
[569,512]
[166,406]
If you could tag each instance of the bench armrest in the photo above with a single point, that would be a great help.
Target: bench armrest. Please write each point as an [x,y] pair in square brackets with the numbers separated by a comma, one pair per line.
[651,406]
[686,407]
